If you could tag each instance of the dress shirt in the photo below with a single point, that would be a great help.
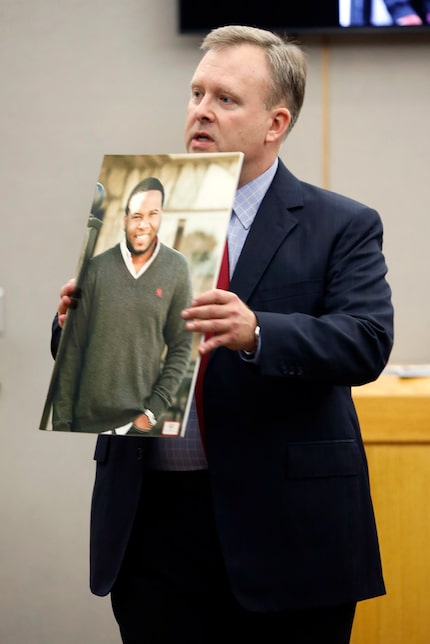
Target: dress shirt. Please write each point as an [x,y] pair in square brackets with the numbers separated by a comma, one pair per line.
[128,260]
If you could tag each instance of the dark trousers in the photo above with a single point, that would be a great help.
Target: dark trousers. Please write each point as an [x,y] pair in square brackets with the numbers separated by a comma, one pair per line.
[173,588]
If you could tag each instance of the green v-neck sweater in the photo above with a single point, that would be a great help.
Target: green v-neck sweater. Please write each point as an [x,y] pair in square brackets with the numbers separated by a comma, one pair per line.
[127,348]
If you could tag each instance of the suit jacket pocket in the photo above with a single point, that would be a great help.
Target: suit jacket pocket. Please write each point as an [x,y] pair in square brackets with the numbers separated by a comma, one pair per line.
[322,459]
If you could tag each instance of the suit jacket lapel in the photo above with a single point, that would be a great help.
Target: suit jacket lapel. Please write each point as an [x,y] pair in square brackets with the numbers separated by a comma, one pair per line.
[273,222]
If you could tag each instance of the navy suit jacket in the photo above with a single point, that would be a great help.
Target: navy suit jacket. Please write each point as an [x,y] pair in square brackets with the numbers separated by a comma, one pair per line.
[286,458]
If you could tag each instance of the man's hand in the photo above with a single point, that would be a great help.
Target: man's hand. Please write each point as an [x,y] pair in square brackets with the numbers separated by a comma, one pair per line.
[142,423]
[66,293]
[224,315]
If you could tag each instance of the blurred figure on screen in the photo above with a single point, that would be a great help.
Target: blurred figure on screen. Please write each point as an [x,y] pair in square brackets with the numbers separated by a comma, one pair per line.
[403,13]
[408,14]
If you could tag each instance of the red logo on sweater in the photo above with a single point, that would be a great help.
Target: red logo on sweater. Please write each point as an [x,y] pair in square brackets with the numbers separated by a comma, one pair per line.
[159,292]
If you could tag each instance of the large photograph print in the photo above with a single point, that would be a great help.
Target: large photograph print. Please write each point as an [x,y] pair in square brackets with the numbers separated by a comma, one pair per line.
[154,240]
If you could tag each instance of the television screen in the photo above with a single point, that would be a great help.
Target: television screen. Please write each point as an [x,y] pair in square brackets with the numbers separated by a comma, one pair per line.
[307,16]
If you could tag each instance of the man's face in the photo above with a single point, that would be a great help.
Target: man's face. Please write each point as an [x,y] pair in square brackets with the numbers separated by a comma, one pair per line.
[227,112]
[143,221]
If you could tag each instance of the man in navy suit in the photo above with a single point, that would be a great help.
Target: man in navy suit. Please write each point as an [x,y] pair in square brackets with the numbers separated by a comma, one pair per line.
[268,530]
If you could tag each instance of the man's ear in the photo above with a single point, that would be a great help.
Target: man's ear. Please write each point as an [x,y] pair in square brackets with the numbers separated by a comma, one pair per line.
[281,119]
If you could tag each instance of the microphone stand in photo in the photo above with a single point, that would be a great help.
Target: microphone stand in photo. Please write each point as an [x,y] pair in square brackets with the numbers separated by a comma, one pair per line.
[95,222]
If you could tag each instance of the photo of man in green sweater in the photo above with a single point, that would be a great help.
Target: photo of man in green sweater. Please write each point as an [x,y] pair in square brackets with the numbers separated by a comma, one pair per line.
[127,350]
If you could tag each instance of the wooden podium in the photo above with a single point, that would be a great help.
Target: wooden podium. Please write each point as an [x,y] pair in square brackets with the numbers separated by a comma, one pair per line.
[394,414]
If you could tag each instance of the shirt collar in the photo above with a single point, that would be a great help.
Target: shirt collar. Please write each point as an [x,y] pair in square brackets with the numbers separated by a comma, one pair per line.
[249,197]
[126,255]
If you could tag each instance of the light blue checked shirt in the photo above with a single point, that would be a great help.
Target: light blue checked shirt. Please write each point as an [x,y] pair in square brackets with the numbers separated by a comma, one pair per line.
[186,453]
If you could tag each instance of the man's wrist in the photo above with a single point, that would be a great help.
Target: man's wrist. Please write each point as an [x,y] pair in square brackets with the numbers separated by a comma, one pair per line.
[256,341]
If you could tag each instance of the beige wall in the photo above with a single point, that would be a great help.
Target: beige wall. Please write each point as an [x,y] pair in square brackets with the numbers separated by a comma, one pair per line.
[85,78]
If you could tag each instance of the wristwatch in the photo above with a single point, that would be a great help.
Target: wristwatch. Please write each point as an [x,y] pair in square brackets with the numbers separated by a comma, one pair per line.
[150,416]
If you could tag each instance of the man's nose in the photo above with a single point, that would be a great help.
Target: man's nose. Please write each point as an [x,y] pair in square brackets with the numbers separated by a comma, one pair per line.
[204,111]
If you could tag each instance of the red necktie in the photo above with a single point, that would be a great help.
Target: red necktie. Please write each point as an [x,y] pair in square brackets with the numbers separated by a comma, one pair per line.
[223,282]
